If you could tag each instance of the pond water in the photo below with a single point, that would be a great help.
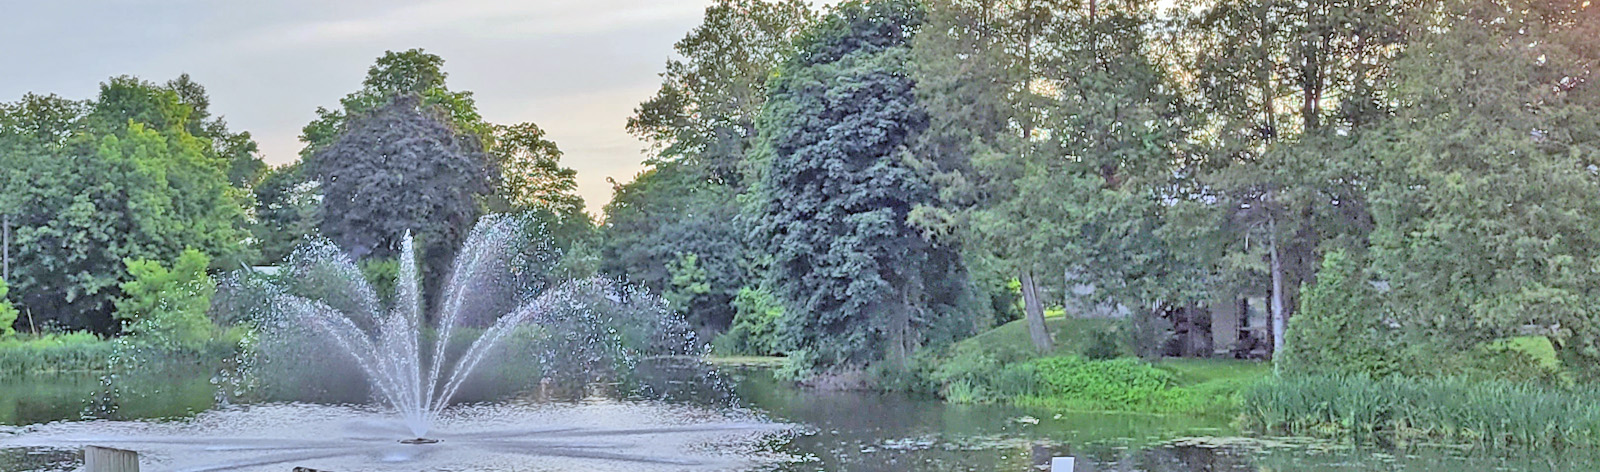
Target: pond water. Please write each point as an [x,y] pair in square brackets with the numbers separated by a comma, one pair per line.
[810,431]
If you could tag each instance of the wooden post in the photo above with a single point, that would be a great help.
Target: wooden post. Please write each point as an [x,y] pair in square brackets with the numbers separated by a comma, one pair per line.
[105,459]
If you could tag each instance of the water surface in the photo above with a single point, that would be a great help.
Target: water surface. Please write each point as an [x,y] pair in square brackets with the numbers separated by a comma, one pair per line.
[778,428]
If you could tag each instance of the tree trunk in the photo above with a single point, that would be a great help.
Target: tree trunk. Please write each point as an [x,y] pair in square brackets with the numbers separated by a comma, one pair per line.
[1278,314]
[1034,311]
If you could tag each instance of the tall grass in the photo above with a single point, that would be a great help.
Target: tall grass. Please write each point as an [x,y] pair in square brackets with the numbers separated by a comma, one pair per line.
[1453,410]
[51,353]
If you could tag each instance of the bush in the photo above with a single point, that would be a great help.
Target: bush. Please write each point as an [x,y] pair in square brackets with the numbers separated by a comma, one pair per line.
[169,306]
[755,324]
[1120,384]
[8,313]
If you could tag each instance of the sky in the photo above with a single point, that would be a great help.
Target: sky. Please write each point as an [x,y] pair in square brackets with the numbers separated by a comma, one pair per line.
[577,68]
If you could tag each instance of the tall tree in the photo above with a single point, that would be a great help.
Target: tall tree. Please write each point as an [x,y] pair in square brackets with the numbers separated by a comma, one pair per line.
[861,284]
[706,109]
[1486,225]
[1281,83]
[531,176]
[700,126]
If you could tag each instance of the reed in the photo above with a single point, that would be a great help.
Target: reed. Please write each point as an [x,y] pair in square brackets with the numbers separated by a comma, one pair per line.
[52,353]
[1396,409]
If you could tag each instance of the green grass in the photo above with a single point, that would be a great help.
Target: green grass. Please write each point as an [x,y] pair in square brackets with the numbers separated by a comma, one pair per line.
[1011,340]
[746,361]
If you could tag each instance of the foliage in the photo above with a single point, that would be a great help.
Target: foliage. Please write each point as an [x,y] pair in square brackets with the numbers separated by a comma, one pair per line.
[402,169]
[688,281]
[382,274]
[1398,409]
[755,325]
[1481,224]
[671,210]
[288,207]
[705,112]
[1340,326]
[531,176]
[1074,336]
[1074,383]
[8,312]
[859,284]
[169,304]
[395,74]
[93,183]
[701,129]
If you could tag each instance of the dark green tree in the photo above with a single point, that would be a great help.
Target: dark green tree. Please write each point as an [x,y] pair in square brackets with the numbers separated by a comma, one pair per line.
[860,284]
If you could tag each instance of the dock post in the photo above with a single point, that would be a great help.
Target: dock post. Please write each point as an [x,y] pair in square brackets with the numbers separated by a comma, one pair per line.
[105,459]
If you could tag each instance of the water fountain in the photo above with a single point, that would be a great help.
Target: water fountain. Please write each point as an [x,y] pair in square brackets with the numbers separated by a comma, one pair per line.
[321,321]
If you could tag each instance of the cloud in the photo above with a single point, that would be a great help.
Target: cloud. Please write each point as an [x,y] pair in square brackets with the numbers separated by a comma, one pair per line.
[483,19]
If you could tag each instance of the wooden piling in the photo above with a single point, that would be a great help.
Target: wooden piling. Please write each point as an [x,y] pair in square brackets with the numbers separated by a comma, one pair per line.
[105,459]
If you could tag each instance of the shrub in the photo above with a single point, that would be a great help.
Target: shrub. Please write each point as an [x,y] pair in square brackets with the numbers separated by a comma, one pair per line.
[8,313]
[168,307]
[1120,384]
[755,324]
[1340,324]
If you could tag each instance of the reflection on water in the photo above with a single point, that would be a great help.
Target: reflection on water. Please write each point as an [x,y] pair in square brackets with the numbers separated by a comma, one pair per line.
[869,432]
[838,431]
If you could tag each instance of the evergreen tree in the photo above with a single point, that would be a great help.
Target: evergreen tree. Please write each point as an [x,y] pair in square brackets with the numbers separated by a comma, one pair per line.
[859,282]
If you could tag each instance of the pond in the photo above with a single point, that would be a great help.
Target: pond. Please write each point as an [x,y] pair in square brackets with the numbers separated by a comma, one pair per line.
[836,431]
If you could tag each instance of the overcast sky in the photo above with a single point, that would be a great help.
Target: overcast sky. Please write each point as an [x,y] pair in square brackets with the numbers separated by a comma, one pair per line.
[575,67]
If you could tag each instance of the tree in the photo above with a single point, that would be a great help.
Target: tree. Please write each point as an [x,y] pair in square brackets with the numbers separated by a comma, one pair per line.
[1485,223]
[8,313]
[701,129]
[1340,326]
[1057,140]
[115,178]
[858,282]
[673,210]
[402,168]
[288,207]
[1281,85]
[409,72]
[706,109]
[531,176]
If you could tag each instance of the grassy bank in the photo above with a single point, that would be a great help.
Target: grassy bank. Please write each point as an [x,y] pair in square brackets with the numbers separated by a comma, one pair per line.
[1090,370]
[1492,413]
[54,353]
